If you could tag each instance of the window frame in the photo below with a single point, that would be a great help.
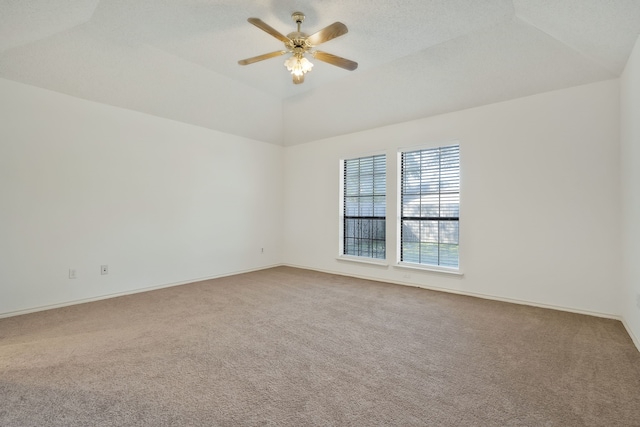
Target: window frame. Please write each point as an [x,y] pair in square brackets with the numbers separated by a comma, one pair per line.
[399,196]
[341,226]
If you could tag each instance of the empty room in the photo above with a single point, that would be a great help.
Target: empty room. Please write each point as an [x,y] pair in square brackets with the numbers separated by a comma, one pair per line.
[322,213]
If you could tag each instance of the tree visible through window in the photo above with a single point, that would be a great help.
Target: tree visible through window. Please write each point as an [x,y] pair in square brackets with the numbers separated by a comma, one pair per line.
[430,206]
[364,208]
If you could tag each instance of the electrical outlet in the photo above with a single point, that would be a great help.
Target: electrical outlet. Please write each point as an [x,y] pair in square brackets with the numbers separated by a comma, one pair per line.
[72,273]
[638,300]
[104,269]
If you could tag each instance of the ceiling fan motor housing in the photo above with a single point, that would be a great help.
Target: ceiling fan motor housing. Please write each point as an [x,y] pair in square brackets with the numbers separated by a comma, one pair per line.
[297,41]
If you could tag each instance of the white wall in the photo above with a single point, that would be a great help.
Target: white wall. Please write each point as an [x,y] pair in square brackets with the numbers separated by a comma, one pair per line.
[161,202]
[630,180]
[84,184]
[540,199]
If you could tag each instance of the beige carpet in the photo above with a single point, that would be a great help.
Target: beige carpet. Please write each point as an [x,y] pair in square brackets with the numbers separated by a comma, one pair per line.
[290,347]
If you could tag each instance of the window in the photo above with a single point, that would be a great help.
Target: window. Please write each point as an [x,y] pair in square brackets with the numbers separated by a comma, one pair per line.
[364,207]
[430,206]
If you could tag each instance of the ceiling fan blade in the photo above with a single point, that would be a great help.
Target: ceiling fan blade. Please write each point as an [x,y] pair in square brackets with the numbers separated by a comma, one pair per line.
[298,79]
[261,57]
[327,33]
[267,28]
[347,64]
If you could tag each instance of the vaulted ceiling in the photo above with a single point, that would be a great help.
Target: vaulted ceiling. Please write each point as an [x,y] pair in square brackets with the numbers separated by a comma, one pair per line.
[178,59]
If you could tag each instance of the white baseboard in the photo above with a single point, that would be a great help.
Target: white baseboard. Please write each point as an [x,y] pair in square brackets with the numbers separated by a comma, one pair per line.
[130,292]
[469,294]
[635,339]
[633,336]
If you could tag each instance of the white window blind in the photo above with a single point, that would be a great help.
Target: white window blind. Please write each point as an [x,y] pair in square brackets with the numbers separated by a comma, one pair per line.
[364,207]
[430,206]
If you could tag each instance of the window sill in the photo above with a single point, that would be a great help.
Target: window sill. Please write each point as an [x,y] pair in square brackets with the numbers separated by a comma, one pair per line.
[431,268]
[363,260]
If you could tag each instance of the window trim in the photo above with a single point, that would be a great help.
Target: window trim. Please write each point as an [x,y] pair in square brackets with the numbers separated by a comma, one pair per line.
[355,258]
[432,268]
[412,265]
[363,260]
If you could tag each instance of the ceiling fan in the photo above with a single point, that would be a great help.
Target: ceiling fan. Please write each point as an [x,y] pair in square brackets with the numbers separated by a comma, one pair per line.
[299,44]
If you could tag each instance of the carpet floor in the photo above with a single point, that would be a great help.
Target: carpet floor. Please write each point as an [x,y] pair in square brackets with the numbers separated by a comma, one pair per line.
[292,347]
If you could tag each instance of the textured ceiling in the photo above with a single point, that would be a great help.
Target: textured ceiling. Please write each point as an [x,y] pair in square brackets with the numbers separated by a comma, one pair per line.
[178,59]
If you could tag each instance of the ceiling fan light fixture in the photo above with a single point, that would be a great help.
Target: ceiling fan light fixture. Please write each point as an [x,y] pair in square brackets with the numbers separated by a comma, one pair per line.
[298,65]
[298,44]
